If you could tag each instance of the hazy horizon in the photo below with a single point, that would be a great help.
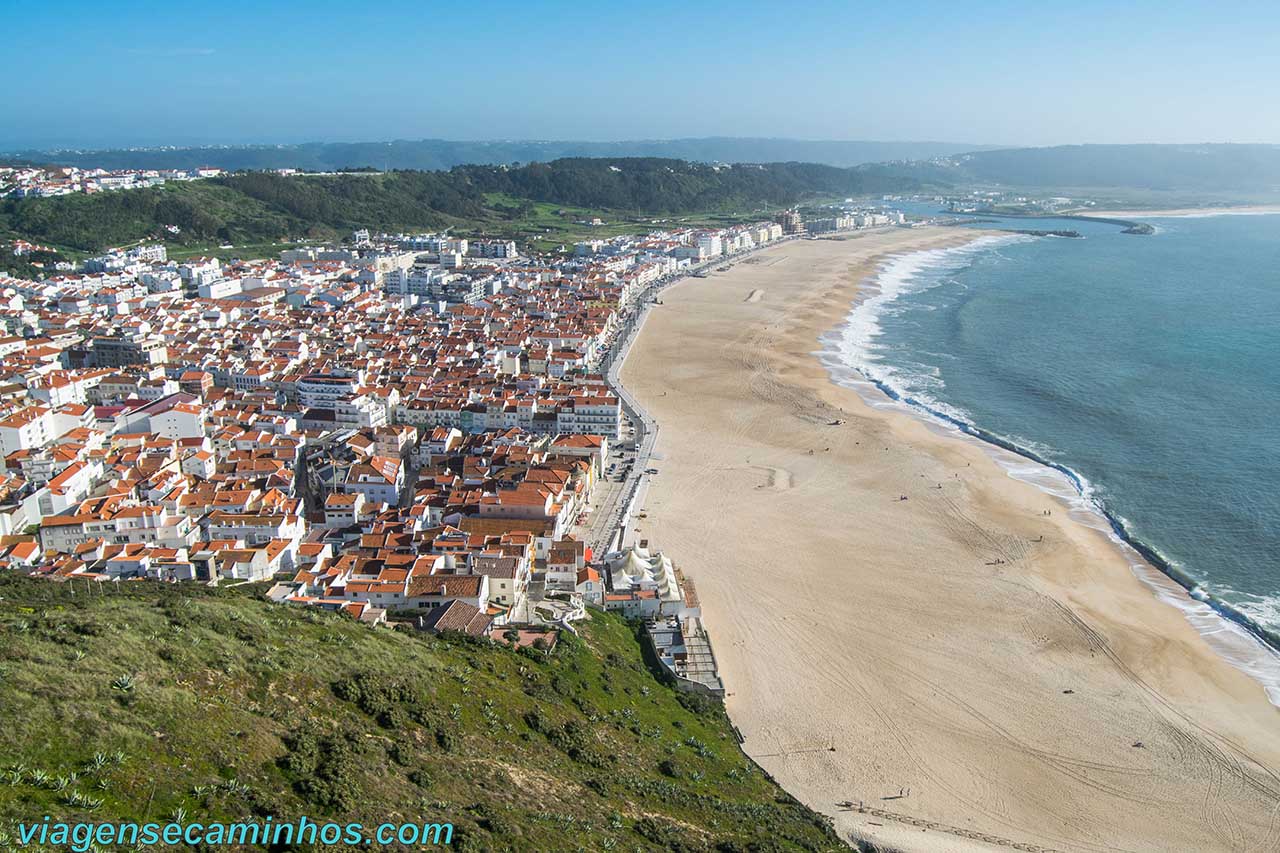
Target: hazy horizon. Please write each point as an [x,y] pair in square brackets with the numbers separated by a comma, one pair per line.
[999,74]
[517,140]
[514,140]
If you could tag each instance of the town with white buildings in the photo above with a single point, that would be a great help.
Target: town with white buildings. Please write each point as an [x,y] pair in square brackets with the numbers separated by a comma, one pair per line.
[43,181]
[405,428]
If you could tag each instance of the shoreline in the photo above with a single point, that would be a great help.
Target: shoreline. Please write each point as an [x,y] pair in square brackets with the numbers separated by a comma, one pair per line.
[1148,555]
[1261,663]
[917,663]
[1187,212]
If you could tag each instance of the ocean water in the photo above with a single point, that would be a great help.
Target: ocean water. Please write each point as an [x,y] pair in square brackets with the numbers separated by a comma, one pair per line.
[1144,369]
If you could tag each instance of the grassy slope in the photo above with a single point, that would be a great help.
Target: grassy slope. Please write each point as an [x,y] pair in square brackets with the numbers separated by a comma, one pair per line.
[212,704]
[547,226]
[258,232]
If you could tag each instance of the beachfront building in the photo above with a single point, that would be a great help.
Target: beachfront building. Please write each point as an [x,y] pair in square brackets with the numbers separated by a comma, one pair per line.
[642,585]
[791,222]
[647,586]
[683,647]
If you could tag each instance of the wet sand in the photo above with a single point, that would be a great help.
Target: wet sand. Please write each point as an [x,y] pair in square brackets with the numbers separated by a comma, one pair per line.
[1244,209]
[960,662]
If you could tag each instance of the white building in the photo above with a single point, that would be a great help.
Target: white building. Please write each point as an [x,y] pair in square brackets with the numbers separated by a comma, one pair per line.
[380,480]
[219,288]
[182,420]
[325,389]
[25,429]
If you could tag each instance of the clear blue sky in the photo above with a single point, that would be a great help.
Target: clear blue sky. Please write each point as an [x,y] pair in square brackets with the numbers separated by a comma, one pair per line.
[104,73]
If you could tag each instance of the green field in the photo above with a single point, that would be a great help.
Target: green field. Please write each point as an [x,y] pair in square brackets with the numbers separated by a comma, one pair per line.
[158,702]
[240,251]
[545,227]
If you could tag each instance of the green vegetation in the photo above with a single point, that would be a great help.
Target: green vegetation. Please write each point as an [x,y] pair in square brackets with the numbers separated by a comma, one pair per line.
[238,251]
[653,185]
[545,226]
[24,266]
[156,702]
[250,208]
[262,209]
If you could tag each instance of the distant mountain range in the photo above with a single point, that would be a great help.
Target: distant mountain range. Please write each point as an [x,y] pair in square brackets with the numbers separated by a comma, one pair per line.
[1207,167]
[434,154]
[1204,168]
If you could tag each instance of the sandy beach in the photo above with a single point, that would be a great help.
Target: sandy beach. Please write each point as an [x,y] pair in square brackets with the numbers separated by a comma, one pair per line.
[1187,211]
[979,674]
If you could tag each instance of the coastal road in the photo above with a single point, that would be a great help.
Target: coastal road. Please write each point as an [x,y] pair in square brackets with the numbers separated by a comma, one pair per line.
[604,528]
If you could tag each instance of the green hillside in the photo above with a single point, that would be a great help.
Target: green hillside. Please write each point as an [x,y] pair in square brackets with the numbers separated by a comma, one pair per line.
[156,702]
[657,185]
[264,207]
[254,207]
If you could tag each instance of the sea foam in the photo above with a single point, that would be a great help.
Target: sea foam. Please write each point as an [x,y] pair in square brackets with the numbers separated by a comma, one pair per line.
[853,358]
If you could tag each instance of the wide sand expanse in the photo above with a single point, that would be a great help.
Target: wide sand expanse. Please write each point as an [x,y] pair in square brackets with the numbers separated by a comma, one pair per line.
[1187,211]
[875,650]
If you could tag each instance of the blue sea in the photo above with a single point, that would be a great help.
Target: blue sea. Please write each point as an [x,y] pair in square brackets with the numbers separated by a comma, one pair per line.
[1146,369]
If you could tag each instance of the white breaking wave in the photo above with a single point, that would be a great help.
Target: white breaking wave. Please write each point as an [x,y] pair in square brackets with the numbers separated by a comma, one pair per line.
[1206,214]
[856,343]
[853,358]
[1264,609]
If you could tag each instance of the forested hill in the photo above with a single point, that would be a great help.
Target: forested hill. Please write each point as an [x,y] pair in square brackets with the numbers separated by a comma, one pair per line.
[264,206]
[674,186]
